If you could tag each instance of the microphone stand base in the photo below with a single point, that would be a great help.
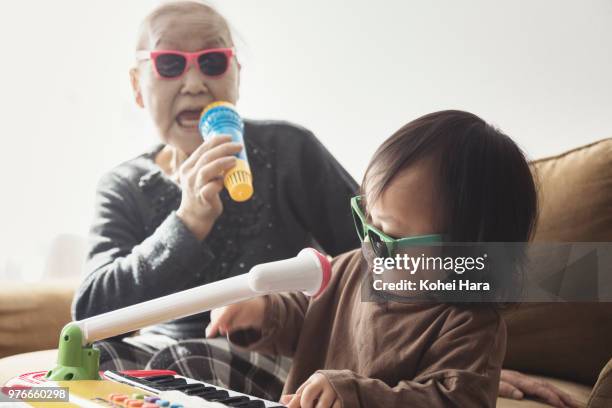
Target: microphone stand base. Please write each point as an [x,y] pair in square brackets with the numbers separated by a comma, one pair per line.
[75,361]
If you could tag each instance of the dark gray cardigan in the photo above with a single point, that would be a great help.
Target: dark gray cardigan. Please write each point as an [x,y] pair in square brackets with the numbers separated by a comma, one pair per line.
[140,249]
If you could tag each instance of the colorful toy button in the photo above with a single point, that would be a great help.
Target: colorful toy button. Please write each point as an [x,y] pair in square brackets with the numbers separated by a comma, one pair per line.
[162,403]
[151,399]
[134,403]
[149,405]
[118,398]
[176,406]
[138,396]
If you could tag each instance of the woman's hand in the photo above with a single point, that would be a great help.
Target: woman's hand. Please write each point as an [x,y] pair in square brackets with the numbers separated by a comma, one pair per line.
[515,385]
[316,392]
[201,181]
[243,315]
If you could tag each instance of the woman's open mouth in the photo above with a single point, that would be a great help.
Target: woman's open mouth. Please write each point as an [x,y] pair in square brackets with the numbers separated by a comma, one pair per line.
[189,118]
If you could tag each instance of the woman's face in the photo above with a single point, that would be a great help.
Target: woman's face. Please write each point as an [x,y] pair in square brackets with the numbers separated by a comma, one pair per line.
[408,206]
[175,104]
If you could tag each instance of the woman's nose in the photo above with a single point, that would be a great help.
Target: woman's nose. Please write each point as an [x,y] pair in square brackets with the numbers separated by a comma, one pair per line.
[194,82]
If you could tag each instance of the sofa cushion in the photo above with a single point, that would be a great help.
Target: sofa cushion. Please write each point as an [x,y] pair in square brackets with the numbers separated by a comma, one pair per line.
[33,314]
[562,340]
[575,194]
[571,341]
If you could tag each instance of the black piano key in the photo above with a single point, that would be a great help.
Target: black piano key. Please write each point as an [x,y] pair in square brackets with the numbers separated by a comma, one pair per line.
[215,395]
[173,381]
[230,400]
[241,404]
[156,378]
[187,387]
[249,404]
[206,391]
[197,391]
[169,386]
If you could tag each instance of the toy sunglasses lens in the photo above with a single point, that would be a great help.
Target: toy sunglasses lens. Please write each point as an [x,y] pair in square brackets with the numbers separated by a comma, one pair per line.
[213,63]
[358,224]
[379,247]
[170,65]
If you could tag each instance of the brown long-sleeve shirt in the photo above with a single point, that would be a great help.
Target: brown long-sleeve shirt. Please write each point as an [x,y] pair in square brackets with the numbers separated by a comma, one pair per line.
[385,354]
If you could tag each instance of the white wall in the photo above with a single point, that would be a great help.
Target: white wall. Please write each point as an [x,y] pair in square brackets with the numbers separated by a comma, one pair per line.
[351,71]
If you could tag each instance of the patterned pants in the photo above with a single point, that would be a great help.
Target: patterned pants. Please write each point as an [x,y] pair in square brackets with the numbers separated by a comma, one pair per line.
[214,361]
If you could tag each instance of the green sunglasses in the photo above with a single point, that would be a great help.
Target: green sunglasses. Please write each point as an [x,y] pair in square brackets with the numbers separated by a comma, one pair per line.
[382,244]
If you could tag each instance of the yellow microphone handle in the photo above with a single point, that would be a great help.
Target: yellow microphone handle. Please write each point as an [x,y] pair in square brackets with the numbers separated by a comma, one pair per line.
[239,182]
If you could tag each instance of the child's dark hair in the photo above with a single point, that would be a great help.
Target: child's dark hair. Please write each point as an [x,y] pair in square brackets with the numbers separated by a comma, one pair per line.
[487,192]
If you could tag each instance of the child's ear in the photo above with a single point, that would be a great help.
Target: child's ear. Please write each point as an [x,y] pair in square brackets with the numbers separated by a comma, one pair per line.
[135,81]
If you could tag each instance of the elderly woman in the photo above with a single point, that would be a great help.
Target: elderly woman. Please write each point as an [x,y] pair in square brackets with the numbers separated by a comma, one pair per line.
[163,222]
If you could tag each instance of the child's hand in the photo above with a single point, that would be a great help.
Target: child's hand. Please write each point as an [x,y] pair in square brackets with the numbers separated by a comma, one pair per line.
[201,180]
[316,392]
[243,315]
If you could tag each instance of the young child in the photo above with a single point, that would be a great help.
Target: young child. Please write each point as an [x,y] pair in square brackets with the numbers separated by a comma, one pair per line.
[449,174]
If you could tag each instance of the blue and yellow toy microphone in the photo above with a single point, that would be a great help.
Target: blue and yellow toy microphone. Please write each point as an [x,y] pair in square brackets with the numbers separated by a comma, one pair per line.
[221,118]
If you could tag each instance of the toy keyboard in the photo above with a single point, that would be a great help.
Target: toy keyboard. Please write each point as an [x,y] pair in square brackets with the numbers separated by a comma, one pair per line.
[188,392]
[132,389]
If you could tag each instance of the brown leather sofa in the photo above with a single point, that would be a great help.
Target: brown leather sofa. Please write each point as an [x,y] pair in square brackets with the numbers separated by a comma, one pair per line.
[570,345]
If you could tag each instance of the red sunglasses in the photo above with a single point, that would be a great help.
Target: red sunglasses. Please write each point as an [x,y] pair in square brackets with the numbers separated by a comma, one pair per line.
[171,64]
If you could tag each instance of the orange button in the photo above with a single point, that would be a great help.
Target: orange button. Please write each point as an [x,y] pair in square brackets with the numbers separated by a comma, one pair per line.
[135,403]
[118,397]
